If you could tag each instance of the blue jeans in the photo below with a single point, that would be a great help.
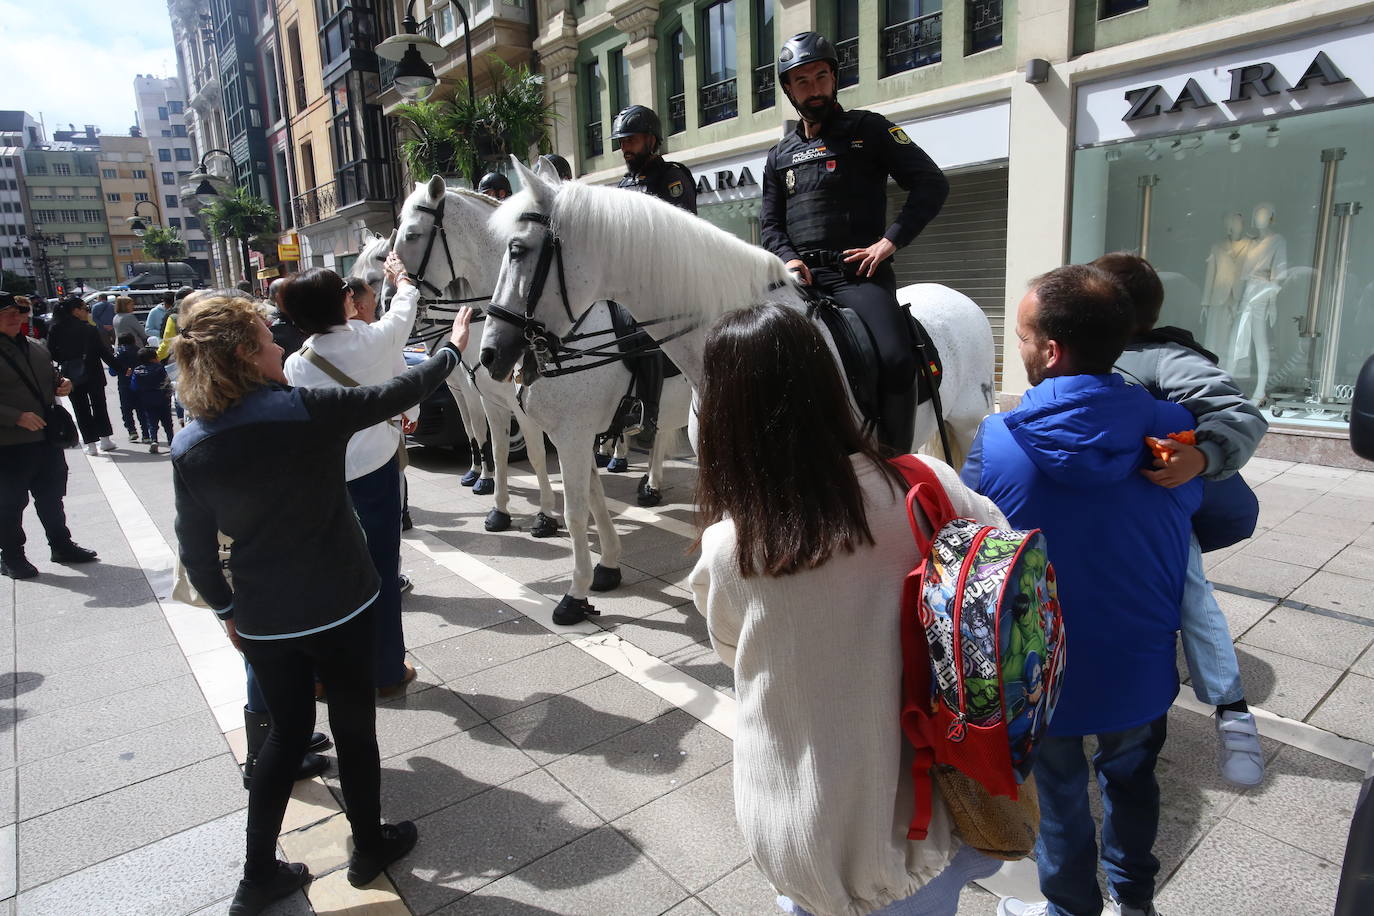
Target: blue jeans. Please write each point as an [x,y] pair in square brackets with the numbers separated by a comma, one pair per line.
[1207,638]
[377,501]
[256,702]
[1066,852]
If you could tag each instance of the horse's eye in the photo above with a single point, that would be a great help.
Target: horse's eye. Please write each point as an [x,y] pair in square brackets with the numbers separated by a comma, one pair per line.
[516,250]
[412,236]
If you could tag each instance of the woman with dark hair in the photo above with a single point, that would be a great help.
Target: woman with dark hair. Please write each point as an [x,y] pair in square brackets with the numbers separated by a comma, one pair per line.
[78,349]
[800,580]
[343,353]
[263,463]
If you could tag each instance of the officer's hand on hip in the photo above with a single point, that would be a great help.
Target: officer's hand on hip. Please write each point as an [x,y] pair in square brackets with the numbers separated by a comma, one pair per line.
[869,258]
[798,266]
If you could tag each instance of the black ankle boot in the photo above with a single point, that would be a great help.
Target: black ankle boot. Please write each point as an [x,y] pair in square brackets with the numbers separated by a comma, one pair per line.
[397,841]
[256,725]
[72,552]
[17,566]
[253,897]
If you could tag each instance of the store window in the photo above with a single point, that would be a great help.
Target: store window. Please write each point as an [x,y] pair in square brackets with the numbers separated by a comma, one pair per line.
[911,35]
[1231,218]
[677,81]
[847,41]
[591,80]
[765,82]
[620,89]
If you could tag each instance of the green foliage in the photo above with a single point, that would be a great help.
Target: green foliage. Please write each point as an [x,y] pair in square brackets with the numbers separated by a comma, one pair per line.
[429,150]
[163,243]
[239,215]
[12,282]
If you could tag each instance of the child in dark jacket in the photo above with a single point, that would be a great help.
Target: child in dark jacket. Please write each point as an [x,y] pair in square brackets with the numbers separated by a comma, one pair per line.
[1169,364]
[126,355]
[152,396]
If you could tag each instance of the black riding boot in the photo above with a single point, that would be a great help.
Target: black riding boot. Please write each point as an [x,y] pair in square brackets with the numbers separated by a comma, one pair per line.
[898,425]
[649,387]
[256,726]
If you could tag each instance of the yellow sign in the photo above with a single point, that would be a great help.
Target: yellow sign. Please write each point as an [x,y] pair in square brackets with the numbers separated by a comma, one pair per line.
[288,252]
[267,273]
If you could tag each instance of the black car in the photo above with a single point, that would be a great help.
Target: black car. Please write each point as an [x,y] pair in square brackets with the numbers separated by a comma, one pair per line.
[440,425]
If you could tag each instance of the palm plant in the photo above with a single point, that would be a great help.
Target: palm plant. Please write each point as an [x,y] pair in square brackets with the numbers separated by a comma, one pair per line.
[163,243]
[429,150]
[239,215]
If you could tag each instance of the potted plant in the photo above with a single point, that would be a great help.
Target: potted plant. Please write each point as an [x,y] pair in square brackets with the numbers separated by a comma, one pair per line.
[430,147]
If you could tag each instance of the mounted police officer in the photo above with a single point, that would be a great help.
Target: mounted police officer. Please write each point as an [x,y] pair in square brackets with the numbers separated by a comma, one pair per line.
[825,212]
[494,184]
[560,165]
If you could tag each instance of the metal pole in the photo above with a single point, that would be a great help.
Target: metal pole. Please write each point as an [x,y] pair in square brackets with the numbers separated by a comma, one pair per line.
[1330,158]
[1147,192]
[472,91]
[1345,215]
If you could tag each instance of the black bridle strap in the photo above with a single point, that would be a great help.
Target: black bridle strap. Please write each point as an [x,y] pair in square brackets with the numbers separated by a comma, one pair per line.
[437,229]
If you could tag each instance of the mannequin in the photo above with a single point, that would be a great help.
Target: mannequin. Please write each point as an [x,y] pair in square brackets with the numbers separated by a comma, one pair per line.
[1221,290]
[1263,272]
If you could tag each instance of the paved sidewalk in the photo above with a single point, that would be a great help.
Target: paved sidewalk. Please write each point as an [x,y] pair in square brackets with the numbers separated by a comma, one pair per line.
[588,772]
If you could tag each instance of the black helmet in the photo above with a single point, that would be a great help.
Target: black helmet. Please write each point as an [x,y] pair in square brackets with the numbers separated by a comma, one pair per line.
[560,165]
[806,48]
[494,181]
[636,120]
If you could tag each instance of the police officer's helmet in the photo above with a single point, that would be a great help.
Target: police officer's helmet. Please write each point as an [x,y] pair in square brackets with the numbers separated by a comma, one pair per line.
[560,165]
[805,48]
[494,181]
[636,119]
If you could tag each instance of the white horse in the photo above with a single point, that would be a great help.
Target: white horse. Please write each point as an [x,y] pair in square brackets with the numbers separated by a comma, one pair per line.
[572,409]
[567,245]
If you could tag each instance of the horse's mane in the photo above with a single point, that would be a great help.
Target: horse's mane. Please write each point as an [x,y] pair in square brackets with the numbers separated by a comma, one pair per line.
[652,245]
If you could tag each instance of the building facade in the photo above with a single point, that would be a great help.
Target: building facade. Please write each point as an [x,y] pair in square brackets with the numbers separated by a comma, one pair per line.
[18,130]
[67,209]
[127,182]
[162,118]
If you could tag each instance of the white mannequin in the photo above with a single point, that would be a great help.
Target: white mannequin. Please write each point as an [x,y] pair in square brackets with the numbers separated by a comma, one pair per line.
[1264,270]
[1221,290]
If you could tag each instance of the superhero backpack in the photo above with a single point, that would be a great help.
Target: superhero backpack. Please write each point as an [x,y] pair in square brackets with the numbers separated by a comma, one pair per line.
[982,646]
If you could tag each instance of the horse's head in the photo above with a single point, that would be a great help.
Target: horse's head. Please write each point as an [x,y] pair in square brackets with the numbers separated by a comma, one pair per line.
[371,264]
[529,308]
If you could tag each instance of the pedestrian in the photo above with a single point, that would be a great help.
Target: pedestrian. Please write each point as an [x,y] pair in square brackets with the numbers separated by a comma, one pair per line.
[1069,460]
[169,333]
[79,350]
[127,356]
[343,353]
[363,307]
[157,315]
[284,332]
[824,212]
[102,315]
[30,462]
[1173,366]
[264,464]
[244,286]
[800,580]
[33,326]
[126,322]
[152,392]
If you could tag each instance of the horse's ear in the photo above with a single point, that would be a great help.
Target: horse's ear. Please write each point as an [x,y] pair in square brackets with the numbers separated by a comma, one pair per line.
[391,240]
[369,237]
[545,170]
[436,187]
[542,190]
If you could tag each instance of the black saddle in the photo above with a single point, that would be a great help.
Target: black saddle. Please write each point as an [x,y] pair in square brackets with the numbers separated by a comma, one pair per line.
[633,340]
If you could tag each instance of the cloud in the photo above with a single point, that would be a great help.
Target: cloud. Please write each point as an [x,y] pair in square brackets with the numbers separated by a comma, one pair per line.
[75,61]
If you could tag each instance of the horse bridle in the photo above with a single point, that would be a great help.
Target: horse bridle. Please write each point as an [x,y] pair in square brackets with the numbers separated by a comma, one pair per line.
[438,231]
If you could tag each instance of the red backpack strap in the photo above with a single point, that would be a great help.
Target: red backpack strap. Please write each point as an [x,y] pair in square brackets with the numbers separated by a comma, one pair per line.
[926,493]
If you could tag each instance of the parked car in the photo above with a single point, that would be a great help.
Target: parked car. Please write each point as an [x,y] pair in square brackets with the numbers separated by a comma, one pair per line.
[440,425]
[144,299]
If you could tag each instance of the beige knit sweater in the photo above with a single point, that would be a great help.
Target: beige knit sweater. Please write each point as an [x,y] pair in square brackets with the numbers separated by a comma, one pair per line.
[823,788]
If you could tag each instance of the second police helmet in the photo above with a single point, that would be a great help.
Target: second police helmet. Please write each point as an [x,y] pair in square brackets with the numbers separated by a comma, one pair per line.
[560,165]
[494,181]
[805,48]
[636,119]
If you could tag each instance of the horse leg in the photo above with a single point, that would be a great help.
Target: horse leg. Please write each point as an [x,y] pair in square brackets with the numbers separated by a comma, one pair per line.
[577,465]
[606,576]
[546,521]
[498,418]
[458,385]
[650,491]
[620,461]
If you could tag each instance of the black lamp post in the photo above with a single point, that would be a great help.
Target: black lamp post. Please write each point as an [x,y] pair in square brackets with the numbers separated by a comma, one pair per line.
[200,190]
[139,226]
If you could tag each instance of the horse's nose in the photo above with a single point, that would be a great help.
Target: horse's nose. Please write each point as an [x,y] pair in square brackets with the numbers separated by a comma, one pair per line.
[488,357]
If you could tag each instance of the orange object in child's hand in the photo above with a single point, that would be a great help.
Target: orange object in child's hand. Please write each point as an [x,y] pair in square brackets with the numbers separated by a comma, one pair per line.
[1163,452]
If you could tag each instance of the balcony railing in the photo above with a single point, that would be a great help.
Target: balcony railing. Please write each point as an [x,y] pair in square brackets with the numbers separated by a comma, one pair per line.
[316,204]
[765,87]
[848,51]
[369,179]
[911,44]
[677,113]
[596,144]
[984,25]
[719,101]
[388,67]
[300,94]
[1111,8]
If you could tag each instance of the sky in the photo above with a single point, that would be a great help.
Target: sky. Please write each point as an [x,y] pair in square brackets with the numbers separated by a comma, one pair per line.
[74,61]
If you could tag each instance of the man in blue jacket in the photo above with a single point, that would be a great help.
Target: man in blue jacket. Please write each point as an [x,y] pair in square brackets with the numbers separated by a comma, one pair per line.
[1069,461]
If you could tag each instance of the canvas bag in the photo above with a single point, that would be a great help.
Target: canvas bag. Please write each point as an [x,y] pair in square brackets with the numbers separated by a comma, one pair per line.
[983,659]
[184,591]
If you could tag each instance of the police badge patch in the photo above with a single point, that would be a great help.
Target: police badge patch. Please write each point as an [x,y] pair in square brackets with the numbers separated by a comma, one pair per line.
[675,188]
[899,135]
[791,179]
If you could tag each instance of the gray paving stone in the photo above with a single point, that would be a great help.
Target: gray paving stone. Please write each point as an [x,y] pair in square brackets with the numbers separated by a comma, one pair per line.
[516,554]
[1349,710]
[49,597]
[497,691]
[81,685]
[1311,525]
[1306,801]
[79,835]
[9,876]
[743,892]
[425,779]
[661,563]
[1365,665]
[1242,612]
[1292,548]
[515,637]
[702,663]
[689,907]
[1337,593]
[596,873]
[295,905]
[668,631]
[65,617]
[1356,562]
[691,832]
[1315,637]
[1257,574]
[974,901]
[180,874]
[107,717]
[1339,505]
[1279,683]
[108,765]
[419,718]
[1241,866]
[582,717]
[468,845]
[49,657]
[627,771]
[9,778]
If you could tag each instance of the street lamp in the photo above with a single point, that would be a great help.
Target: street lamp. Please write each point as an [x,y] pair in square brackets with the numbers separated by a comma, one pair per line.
[139,226]
[201,187]
[416,55]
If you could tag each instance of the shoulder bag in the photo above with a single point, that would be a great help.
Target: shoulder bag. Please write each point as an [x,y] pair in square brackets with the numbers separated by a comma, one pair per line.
[61,428]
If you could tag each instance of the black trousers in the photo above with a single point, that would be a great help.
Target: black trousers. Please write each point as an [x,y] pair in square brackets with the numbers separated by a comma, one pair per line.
[88,403]
[150,417]
[286,670]
[41,469]
[875,299]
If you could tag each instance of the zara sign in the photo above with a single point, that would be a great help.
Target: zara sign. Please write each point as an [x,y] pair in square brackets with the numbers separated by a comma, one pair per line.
[1259,80]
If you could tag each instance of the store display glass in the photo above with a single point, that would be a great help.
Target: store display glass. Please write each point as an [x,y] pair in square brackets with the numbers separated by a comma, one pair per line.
[1263,237]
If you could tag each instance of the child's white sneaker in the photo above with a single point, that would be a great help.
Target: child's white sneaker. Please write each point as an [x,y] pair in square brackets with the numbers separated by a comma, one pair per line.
[1241,760]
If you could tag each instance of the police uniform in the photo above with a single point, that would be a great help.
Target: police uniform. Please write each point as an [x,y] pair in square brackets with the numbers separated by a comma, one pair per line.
[670,181]
[825,194]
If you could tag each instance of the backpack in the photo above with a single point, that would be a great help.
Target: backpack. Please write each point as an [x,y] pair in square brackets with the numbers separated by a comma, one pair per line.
[983,653]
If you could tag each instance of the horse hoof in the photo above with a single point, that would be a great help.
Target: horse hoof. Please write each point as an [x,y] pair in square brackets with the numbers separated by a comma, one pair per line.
[618,465]
[544,526]
[602,460]
[573,610]
[470,478]
[605,578]
[484,487]
[497,520]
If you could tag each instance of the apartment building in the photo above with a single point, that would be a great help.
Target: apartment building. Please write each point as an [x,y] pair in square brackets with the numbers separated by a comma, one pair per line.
[162,118]
[18,129]
[128,186]
[70,234]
